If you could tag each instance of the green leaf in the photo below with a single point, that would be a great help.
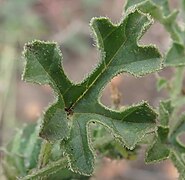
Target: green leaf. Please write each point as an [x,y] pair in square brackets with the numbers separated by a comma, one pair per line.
[55,126]
[160,11]
[176,55]
[45,68]
[22,152]
[179,164]
[78,105]
[132,3]
[168,145]
[183,5]
[13,163]
[161,83]
[54,170]
[129,131]
[165,110]
[47,170]
[159,149]
[163,4]
[22,158]
[178,130]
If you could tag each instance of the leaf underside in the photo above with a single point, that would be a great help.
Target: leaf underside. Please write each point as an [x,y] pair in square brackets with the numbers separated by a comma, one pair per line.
[77,105]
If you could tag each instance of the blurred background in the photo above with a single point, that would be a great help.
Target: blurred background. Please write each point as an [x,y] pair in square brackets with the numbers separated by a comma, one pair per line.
[67,22]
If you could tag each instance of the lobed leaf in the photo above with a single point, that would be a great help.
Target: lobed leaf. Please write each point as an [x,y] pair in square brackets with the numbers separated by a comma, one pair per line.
[78,105]
[160,11]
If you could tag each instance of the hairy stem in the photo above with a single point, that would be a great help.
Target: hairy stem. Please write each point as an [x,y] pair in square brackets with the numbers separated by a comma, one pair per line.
[51,168]
[44,155]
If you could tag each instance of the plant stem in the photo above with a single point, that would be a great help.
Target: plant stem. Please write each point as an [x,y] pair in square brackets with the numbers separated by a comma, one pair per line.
[44,155]
[177,83]
[51,168]
[175,92]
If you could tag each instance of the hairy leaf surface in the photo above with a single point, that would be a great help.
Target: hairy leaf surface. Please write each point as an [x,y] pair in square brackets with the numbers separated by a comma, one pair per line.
[159,149]
[77,105]
[167,144]
[178,151]
[160,11]
[165,110]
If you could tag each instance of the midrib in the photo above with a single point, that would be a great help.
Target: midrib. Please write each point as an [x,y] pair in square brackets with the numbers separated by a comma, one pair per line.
[105,68]
[98,77]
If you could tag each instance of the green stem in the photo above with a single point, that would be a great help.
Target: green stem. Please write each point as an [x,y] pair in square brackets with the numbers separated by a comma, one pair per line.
[51,168]
[175,92]
[177,83]
[44,155]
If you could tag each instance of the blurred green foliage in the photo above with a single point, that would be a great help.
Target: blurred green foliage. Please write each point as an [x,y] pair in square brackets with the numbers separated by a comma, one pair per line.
[19,21]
